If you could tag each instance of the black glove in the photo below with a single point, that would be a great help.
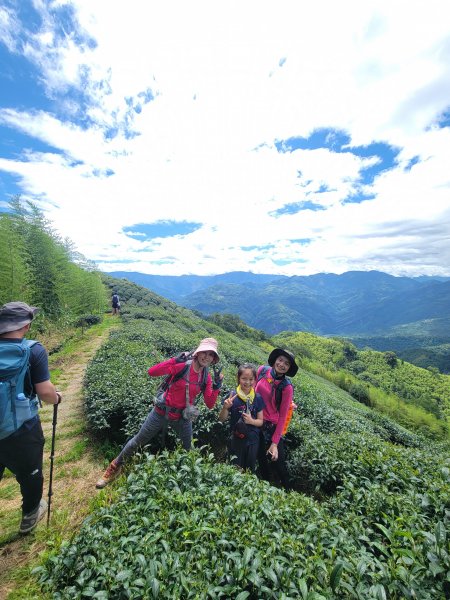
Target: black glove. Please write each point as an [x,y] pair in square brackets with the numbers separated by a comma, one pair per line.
[217,380]
[183,357]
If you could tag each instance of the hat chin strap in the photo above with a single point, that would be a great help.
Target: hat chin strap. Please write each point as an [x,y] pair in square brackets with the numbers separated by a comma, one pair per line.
[275,374]
[196,365]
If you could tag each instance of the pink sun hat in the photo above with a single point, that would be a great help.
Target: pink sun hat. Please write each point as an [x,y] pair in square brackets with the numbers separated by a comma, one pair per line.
[208,345]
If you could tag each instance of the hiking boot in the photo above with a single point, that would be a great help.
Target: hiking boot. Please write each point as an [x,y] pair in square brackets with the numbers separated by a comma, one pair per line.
[111,473]
[30,520]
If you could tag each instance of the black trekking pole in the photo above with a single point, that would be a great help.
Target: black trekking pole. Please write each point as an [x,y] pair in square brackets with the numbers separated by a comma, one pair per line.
[52,455]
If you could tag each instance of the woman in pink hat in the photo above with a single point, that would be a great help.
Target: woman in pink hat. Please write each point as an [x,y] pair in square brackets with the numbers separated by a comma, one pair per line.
[188,376]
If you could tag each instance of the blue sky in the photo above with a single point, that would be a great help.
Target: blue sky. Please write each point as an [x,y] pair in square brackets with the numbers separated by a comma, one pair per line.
[204,136]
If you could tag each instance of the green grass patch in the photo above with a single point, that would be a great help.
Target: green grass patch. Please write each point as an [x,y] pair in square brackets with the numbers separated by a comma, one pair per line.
[79,448]
[71,431]
[10,524]
[7,475]
[8,491]
[75,346]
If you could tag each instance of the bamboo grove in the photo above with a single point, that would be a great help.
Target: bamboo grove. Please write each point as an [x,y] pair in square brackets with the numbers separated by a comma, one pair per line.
[40,268]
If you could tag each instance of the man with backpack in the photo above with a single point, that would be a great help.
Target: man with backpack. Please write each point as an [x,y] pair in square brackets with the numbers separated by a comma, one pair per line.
[24,380]
[275,387]
[115,303]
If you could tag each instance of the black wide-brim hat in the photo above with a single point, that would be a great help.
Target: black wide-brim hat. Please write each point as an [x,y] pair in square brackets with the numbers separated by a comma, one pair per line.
[291,358]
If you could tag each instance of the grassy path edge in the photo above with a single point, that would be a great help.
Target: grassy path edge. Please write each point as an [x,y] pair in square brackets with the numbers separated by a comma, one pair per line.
[76,467]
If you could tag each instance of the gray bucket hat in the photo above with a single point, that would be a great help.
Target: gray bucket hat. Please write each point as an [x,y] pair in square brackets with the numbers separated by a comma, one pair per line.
[14,315]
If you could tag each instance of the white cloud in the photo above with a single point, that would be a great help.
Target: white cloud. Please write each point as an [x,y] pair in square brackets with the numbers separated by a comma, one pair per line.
[228,81]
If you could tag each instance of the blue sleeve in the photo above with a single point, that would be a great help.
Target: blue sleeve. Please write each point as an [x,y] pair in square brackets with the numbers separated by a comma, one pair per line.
[260,402]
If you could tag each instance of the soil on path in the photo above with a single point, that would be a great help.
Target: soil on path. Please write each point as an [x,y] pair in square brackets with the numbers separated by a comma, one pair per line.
[76,469]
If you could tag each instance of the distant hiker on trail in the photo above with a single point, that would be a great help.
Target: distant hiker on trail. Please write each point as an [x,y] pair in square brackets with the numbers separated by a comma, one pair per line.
[188,376]
[115,303]
[24,375]
[277,392]
[245,409]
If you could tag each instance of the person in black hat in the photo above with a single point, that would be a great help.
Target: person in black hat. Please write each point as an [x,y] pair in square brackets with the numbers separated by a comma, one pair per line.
[277,391]
[21,449]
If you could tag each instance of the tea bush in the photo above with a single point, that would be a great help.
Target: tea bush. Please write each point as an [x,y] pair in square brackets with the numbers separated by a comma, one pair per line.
[183,526]
[119,393]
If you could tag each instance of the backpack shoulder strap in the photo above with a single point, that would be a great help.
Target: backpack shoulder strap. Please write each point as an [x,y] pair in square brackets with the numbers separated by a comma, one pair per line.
[204,379]
[263,372]
[30,344]
[181,373]
[279,390]
[169,380]
[285,382]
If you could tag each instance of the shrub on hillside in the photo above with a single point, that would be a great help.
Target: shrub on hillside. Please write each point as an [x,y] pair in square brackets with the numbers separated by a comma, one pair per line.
[360,393]
[356,367]
[87,320]
[183,526]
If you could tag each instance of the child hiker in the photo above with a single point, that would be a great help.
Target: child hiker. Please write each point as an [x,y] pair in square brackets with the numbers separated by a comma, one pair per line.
[176,407]
[245,409]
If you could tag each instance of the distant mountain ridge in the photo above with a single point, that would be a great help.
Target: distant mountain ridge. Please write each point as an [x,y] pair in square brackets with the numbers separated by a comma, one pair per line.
[176,287]
[355,302]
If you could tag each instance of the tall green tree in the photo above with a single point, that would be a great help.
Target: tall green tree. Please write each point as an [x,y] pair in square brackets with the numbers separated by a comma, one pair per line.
[13,268]
[40,268]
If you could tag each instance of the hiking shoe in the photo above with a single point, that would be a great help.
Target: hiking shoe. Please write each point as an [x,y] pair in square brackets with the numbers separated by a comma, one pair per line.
[111,473]
[30,520]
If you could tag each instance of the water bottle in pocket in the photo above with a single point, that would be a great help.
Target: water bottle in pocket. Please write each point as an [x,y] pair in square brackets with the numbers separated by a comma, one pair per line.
[23,408]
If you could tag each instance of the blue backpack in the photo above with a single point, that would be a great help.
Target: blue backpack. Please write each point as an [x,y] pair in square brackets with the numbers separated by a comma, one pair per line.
[15,406]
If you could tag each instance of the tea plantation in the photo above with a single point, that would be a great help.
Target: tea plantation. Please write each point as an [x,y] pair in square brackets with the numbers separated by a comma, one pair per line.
[369,517]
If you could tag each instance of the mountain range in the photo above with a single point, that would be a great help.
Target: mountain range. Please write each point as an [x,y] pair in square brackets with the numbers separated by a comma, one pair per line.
[353,303]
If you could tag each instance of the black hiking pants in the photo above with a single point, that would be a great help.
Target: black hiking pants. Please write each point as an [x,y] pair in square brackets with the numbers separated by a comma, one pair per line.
[243,454]
[22,453]
[272,469]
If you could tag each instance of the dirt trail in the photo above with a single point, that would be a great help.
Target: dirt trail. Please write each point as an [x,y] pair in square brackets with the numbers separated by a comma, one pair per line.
[76,469]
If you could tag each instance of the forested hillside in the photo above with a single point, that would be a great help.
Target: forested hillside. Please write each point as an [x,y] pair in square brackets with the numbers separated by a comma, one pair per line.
[378,379]
[407,315]
[424,343]
[40,268]
[354,302]
[368,519]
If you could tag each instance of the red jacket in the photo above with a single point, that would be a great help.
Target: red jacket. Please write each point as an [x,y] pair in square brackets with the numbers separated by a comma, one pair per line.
[176,395]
